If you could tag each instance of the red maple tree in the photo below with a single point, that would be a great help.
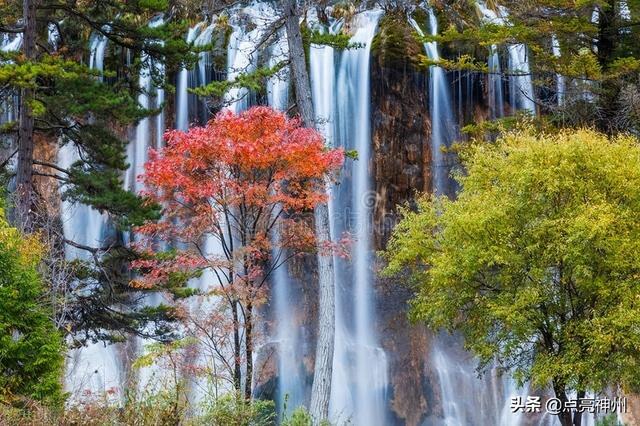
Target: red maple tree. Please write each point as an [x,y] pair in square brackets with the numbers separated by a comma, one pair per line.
[234,194]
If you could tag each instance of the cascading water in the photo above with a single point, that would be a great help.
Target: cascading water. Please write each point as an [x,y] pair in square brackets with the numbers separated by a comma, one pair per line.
[242,54]
[291,384]
[95,368]
[8,108]
[494,79]
[96,55]
[53,35]
[201,75]
[467,399]
[521,93]
[359,367]
[10,44]
[137,151]
[200,35]
[148,134]
[560,81]
[322,76]
[182,95]
[278,85]
[464,401]
[242,57]
[443,124]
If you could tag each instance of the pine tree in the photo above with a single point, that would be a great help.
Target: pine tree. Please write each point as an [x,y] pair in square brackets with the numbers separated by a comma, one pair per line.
[61,101]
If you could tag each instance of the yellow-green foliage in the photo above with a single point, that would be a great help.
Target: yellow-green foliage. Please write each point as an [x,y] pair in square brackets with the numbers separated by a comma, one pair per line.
[31,350]
[536,263]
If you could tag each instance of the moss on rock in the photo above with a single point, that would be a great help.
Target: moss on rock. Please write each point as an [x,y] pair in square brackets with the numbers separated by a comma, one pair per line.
[396,43]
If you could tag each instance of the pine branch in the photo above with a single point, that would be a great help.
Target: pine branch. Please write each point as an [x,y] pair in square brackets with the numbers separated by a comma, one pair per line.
[53,166]
[12,30]
[6,161]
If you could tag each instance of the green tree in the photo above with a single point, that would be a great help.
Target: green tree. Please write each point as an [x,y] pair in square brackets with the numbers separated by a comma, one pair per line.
[58,100]
[536,262]
[31,349]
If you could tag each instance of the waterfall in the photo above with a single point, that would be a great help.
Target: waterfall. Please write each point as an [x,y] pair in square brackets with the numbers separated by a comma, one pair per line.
[96,367]
[97,47]
[11,44]
[496,97]
[53,35]
[137,151]
[242,57]
[278,85]
[443,124]
[182,96]
[159,118]
[202,74]
[521,96]
[242,54]
[560,80]
[8,107]
[199,387]
[521,93]
[359,366]
[341,96]
[471,400]
[291,382]
[465,400]
[322,76]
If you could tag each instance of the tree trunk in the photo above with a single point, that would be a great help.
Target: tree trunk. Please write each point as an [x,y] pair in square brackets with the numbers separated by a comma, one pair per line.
[577,416]
[298,65]
[321,389]
[323,371]
[561,394]
[237,370]
[24,173]
[610,88]
[248,344]
[607,32]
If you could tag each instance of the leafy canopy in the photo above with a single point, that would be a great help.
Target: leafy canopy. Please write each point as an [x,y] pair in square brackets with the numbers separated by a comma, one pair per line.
[536,262]
[237,181]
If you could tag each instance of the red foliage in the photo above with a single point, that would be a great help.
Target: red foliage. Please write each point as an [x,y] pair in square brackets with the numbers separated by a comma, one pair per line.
[235,181]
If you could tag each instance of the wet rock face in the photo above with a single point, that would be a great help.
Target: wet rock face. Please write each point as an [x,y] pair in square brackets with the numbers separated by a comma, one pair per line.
[401,127]
[401,166]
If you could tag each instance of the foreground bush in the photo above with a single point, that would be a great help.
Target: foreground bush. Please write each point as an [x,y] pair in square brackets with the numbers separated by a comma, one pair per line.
[31,349]
[145,409]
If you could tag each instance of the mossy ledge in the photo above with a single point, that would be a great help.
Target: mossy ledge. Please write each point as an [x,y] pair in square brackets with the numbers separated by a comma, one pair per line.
[396,44]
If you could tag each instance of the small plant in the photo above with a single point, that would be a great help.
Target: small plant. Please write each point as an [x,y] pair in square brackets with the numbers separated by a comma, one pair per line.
[234,410]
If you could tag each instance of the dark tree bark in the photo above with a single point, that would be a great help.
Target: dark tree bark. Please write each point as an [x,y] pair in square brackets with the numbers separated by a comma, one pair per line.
[321,389]
[607,32]
[298,65]
[577,416]
[248,342]
[237,368]
[561,394]
[607,44]
[24,174]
